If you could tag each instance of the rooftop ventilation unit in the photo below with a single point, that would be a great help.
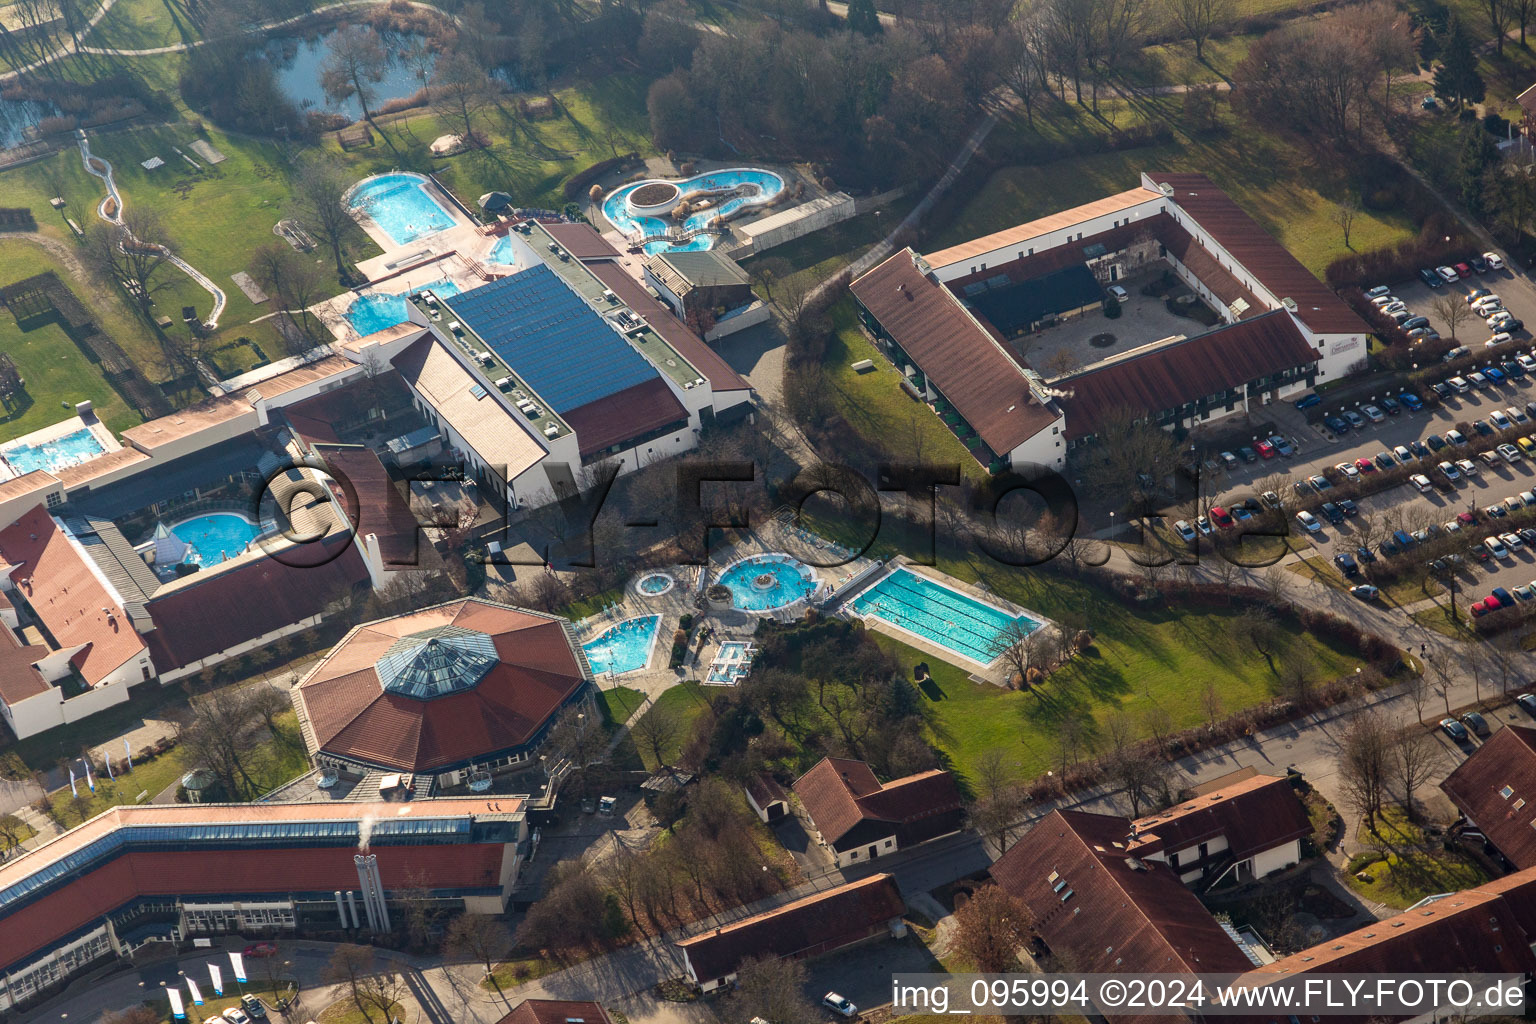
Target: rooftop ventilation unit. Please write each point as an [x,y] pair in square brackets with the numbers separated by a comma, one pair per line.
[551,430]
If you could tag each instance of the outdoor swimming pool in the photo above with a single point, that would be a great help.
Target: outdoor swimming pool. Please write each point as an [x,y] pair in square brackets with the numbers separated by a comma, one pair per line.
[762,583]
[731,663]
[625,647]
[503,253]
[401,206]
[938,614]
[378,310]
[69,450]
[767,188]
[655,584]
[215,537]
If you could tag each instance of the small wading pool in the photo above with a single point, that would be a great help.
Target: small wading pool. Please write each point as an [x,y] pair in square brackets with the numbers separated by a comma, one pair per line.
[655,584]
[939,614]
[732,661]
[69,450]
[762,583]
[625,647]
[401,206]
[377,311]
[215,537]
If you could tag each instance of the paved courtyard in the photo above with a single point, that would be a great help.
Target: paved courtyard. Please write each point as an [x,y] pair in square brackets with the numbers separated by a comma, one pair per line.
[1143,320]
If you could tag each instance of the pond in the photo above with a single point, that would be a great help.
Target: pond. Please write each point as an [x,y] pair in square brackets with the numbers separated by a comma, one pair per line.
[299,62]
[18,117]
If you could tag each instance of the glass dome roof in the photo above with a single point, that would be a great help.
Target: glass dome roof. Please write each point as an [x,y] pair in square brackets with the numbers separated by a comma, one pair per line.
[436,662]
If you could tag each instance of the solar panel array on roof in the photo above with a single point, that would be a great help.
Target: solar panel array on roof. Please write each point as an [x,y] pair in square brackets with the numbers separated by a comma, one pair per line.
[550,337]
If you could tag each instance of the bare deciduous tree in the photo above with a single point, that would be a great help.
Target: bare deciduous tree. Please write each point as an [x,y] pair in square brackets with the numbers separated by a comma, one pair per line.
[1200,18]
[1365,764]
[991,926]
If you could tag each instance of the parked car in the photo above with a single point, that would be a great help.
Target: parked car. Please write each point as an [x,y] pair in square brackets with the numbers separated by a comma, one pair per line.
[1454,729]
[1474,721]
[1460,384]
[1496,547]
[1463,268]
[1347,564]
[1411,402]
[1449,471]
[1390,407]
[1308,521]
[1308,401]
[1248,454]
[1447,274]
[1455,437]
[1479,264]
[261,949]
[1422,482]
[839,1004]
[1282,446]
[1377,292]
[1494,260]
[1270,498]
[1186,532]
[1467,467]
[1419,450]
[1413,323]
[1384,460]
[1336,424]
[1118,293]
[235,1015]
[1365,591]
[1265,449]
[1427,275]
[1501,338]
[1228,460]
[1349,506]
[1365,554]
[1332,513]
[1373,414]
[1221,517]
[1477,294]
[1203,524]
[1477,379]
[1348,470]
[1355,419]
[1493,374]
[254,1007]
[1528,702]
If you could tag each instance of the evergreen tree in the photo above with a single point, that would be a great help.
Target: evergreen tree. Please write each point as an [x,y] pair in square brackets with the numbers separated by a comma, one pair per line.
[1457,75]
[1479,151]
[863,18]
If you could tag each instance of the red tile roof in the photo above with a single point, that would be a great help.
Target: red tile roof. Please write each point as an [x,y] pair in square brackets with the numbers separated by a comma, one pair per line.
[214,611]
[215,872]
[353,717]
[19,679]
[839,793]
[1033,229]
[581,241]
[676,333]
[1255,814]
[964,362]
[637,411]
[1149,380]
[556,1011]
[1506,760]
[814,924]
[765,789]
[374,503]
[59,582]
[1270,263]
[1113,913]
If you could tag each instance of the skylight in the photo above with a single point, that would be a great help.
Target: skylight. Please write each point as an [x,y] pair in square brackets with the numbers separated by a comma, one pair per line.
[436,662]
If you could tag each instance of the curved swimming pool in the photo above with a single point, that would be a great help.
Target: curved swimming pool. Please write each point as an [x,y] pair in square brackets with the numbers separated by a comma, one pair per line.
[625,647]
[375,311]
[762,583]
[750,186]
[215,536]
[401,206]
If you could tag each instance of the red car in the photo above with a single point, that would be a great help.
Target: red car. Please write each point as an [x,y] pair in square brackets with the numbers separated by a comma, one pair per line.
[1221,517]
[1466,518]
[1464,269]
[1486,605]
[261,949]
[1265,450]
[1365,465]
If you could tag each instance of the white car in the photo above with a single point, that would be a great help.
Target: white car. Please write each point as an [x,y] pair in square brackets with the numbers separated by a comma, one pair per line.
[1373,414]
[1467,467]
[1498,319]
[1308,521]
[1349,469]
[1447,274]
[839,1004]
[1421,481]
[1495,261]
[1377,292]
[1455,437]
[1527,362]
[1501,338]
[1118,293]
[1451,526]
[1509,453]
[1204,525]
[1484,301]
[1186,532]
[1403,454]
[235,1015]
[1449,471]
[1512,541]
[1499,420]
[1496,547]
[1394,308]
[1384,300]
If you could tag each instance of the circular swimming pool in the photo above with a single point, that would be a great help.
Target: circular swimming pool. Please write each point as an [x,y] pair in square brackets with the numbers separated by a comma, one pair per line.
[654,584]
[762,583]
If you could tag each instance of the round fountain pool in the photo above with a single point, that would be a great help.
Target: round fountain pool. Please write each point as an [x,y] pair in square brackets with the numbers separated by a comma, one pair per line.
[762,583]
[654,584]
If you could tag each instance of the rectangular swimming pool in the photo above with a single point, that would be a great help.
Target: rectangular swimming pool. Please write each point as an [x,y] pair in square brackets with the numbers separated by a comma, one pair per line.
[402,207]
[69,450]
[939,614]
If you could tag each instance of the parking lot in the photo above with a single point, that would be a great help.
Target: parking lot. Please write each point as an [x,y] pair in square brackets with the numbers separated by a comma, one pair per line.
[1404,505]
[1516,294]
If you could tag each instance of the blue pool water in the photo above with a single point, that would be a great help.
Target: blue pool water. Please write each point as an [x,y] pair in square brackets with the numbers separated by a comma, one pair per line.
[503,253]
[624,648]
[377,310]
[216,536]
[617,211]
[399,204]
[946,617]
[69,450]
[788,581]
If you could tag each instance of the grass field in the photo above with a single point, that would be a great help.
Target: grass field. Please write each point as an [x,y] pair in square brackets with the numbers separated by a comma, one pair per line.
[874,404]
[823,253]
[681,705]
[143,25]
[1276,183]
[1405,865]
[57,371]
[622,702]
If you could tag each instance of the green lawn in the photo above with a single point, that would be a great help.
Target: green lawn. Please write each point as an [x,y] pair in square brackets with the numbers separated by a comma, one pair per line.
[874,404]
[274,760]
[681,704]
[823,253]
[522,968]
[142,25]
[1269,177]
[1404,865]
[621,702]
[56,370]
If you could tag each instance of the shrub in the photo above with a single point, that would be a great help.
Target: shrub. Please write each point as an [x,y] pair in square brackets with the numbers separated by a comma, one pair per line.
[1112,309]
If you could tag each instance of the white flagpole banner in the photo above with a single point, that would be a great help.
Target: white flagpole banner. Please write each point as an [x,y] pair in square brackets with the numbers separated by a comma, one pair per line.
[107,760]
[72,790]
[128,752]
[176,1010]
[197,996]
[88,780]
[217,978]
[238,963]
